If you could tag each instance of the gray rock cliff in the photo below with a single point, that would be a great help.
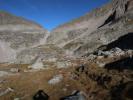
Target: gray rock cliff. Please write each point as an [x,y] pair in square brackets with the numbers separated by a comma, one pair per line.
[99,27]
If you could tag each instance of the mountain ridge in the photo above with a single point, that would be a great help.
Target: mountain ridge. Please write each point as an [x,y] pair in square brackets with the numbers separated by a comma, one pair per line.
[16,34]
[76,38]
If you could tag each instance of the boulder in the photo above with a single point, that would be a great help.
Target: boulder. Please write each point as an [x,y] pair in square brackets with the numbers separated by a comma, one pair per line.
[36,66]
[63,64]
[4,73]
[56,79]
[40,95]
[14,70]
[16,98]
[91,57]
[75,96]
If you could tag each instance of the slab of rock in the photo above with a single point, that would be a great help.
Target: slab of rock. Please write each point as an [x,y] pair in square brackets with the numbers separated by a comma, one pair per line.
[63,64]
[37,66]
[4,73]
[75,96]
[16,98]
[56,79]
[14,70]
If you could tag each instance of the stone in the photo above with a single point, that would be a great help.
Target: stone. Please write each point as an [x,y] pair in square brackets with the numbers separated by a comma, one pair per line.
[56,79]
[4,73]
[107,53]
[100,52]
[81,68]
[16,98]
[116,49]
[63,64]
[100,57]
[111,53]
[37,66]
[91,57]
[40,95]
[130,53]
[100,64]
[75,96]
[14,70]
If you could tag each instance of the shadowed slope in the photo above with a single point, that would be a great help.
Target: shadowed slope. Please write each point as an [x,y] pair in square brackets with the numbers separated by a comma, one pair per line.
[124,42]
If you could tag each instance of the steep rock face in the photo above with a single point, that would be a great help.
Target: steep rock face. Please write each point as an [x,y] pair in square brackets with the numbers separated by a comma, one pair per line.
[17,34]
[100,27]
[120,7]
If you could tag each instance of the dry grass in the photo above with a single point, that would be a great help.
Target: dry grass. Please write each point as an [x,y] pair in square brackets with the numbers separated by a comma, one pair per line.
[27,84]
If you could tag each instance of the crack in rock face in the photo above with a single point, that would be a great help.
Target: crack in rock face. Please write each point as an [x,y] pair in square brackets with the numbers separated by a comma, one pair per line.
[120,7]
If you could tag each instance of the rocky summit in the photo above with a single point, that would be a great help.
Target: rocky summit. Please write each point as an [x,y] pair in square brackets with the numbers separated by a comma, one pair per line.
[89,58]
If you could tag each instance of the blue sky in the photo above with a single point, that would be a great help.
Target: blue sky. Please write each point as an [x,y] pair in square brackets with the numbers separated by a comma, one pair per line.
[50,13]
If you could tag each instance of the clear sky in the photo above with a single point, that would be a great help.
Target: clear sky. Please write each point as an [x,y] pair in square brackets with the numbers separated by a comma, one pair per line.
[50,13]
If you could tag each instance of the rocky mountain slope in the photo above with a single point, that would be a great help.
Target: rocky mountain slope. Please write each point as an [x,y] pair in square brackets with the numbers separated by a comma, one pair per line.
[13,22]
[77,38]
[99,27]
[16,34]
